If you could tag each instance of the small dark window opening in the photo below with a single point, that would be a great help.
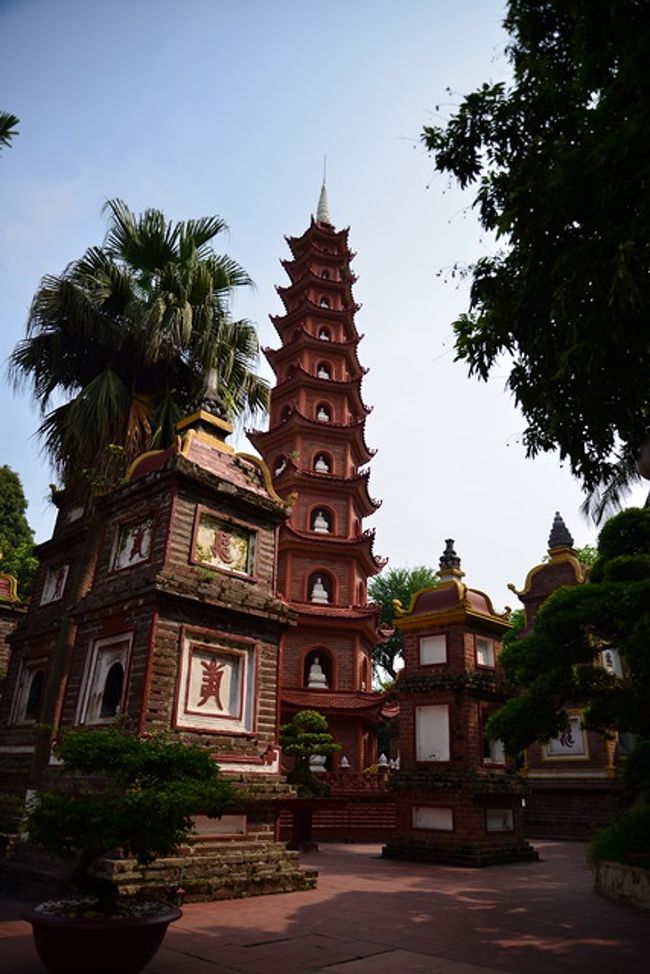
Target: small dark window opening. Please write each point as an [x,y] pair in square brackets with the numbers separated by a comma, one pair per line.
[33,704]
[112,694]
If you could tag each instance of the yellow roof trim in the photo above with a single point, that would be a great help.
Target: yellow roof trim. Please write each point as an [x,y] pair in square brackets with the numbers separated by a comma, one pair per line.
[268,483]
[558,555]
[221,424]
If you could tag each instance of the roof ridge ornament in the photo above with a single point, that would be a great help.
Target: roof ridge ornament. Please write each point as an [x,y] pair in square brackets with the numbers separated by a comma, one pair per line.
[560,536]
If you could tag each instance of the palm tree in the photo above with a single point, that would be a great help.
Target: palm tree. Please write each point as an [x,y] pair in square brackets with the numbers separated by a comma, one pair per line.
[127,333]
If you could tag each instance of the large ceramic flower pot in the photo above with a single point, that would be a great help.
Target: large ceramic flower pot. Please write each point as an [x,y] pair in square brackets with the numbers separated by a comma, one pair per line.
[97,944]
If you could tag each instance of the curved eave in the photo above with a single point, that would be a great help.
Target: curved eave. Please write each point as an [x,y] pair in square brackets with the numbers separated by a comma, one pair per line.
[308,309]
[310,279]
[293,478]
[316,232]
[360,547]
[297,420]
[297,269]
[558,556]
[344,613]
[335,702]
[459,614]
[301,378]
[304,340]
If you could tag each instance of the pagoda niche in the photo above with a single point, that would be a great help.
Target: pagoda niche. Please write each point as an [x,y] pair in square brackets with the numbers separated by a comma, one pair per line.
[315,447]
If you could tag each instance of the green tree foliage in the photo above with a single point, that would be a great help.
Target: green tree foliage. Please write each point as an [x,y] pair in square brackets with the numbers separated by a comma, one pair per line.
[401,584]
[305,735]
[16,536]
[126,335]
[8,128]
[143,801]
[558,662]
[562,164]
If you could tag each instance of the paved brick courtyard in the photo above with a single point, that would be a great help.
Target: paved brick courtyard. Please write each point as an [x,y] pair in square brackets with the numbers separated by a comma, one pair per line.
[369,916]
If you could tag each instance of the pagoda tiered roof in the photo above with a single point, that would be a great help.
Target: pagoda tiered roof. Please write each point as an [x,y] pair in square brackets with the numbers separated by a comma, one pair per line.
[302,339]
[301,378]
[310,309]
[360,546]
[297,268]
[354,432]
[334,702]
[320,238]
[294,477]
[309,279]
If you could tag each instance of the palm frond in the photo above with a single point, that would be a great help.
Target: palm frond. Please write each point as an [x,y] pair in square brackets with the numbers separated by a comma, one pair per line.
[608,497]
[8,130]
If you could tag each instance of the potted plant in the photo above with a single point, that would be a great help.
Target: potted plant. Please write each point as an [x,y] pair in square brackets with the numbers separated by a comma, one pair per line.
[116,791]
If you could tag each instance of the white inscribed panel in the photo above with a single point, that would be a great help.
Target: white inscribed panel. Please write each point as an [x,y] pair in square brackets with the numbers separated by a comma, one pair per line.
[499,820]
[432,733]
[428,817]
[433,649]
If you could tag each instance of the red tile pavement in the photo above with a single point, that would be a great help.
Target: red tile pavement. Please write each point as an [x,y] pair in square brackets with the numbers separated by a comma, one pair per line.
[369,916]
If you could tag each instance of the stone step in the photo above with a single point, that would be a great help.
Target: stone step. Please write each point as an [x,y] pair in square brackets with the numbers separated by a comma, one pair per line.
[225,872]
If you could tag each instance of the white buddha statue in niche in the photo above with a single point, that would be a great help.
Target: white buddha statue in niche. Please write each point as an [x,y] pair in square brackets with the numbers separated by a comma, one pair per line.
[323,335]
[323,372]
[322,415]
[320,523]
[321,465]
[316,678]
[319,592]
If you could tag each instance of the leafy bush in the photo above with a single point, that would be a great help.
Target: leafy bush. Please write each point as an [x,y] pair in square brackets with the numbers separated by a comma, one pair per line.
[627,840]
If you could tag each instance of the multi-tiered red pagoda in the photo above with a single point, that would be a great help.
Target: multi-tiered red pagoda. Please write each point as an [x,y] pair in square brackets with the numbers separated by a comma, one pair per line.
[316,447]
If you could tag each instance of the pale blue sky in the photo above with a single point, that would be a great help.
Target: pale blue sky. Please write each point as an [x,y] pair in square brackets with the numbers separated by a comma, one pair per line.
[206,106]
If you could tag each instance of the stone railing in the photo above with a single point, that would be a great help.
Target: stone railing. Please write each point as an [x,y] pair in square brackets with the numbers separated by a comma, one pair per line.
[356,782]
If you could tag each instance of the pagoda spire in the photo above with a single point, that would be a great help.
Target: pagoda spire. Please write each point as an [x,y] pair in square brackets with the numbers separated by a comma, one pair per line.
[323,210]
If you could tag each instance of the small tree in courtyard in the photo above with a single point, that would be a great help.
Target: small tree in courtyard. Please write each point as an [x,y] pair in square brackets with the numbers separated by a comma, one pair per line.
[304,736]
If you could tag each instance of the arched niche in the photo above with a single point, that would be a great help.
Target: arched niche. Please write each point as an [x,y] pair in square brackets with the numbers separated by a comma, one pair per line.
[324,370]
[324,334]
[322,462]
[320,588]
[324,301]
[318,659]
[321,520]
[323,412]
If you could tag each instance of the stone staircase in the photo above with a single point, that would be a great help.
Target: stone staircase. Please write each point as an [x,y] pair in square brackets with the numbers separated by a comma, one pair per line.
[213,870]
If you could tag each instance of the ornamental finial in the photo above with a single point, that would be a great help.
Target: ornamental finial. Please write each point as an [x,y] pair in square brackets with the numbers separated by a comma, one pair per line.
[449,558]
[209,399]
[560,536]
[323,209]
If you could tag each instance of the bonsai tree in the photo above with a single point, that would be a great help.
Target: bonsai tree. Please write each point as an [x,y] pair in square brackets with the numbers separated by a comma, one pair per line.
[121,791]
[303,737]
